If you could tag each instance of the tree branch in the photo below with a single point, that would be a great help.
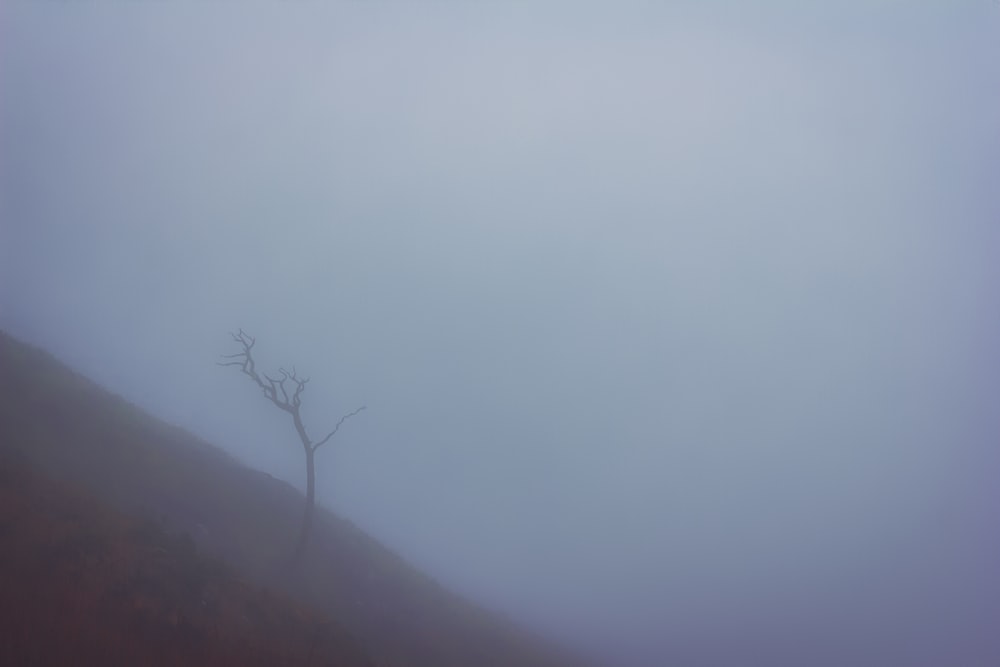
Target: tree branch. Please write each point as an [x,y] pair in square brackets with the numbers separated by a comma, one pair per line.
[246,363]
[336,428]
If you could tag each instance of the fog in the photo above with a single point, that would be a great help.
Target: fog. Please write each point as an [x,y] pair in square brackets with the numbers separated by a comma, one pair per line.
[676,325]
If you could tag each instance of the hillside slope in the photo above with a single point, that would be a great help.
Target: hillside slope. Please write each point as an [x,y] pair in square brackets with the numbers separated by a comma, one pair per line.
[75,431]
[85,585]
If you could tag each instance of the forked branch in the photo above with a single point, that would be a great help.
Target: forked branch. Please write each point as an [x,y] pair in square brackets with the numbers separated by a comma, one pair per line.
[274,388]
[284,391]
[336,428]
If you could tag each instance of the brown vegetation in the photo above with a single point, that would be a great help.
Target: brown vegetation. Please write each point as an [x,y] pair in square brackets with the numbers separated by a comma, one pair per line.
[84,585]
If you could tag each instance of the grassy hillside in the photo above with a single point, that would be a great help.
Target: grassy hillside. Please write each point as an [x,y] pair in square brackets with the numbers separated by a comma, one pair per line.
[73,431]
[85,585]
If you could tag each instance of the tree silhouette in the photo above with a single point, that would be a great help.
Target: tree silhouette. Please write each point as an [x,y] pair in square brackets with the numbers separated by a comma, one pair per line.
[285,392]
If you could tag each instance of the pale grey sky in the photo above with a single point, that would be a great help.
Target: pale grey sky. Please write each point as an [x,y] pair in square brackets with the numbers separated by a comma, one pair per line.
[676,324]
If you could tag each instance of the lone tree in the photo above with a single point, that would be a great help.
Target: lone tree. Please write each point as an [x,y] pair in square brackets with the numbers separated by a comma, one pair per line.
[286,394]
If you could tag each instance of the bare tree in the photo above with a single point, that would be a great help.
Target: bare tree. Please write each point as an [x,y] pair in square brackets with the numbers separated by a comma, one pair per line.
[285,392]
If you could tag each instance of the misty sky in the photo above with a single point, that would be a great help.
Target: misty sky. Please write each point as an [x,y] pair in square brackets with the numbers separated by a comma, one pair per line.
[676,325]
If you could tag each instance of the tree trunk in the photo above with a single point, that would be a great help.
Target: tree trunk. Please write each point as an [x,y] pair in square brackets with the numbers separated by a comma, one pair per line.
[307,515]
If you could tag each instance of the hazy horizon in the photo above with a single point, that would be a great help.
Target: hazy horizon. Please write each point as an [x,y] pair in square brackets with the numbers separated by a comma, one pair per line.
[677,326]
